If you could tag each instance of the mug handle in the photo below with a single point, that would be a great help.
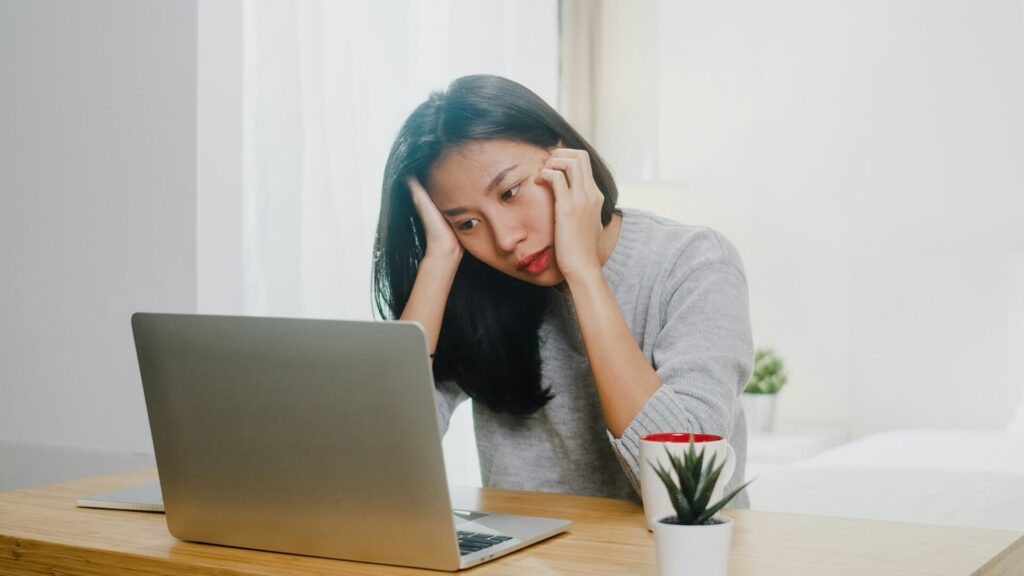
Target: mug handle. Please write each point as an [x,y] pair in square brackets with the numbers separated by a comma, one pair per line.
[730,466]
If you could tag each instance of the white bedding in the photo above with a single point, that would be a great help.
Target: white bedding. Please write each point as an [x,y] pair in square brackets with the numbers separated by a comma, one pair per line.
[964,478]
[962,450]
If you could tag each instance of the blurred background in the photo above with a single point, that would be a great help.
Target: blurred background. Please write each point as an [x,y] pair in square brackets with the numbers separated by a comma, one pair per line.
[866,158]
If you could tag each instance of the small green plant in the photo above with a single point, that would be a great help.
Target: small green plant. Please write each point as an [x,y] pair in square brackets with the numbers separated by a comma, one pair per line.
[690,495]
[769,373]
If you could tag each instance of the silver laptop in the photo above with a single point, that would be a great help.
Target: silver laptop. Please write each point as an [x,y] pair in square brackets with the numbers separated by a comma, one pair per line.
[316,437]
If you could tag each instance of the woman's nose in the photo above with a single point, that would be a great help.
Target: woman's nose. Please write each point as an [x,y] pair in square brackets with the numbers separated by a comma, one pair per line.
[508,233]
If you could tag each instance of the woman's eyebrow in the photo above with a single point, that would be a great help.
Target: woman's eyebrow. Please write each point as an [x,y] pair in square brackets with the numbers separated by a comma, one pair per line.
[499,177]
[452,212]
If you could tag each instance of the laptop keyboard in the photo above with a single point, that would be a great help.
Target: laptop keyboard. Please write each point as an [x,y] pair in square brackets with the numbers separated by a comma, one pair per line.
[470,542]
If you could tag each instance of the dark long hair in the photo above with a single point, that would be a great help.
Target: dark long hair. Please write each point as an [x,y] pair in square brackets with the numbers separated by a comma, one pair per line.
[488,342]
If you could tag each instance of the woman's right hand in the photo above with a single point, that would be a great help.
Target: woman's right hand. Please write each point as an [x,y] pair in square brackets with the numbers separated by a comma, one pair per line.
[437,270]
[441,240]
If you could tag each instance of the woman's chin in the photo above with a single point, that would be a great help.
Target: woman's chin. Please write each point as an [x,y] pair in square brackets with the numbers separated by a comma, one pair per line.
[550,277]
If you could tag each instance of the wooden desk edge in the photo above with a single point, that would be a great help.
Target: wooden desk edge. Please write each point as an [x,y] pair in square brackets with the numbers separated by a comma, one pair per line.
[28,554]
[1009,561]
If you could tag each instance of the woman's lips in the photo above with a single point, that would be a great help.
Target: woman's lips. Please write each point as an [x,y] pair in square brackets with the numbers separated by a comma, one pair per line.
[537,263]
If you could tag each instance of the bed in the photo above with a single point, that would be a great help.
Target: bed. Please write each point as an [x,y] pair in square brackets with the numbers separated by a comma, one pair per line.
[955,477]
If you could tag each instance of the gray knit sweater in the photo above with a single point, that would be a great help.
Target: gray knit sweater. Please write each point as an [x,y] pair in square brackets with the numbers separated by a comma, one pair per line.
[683,293]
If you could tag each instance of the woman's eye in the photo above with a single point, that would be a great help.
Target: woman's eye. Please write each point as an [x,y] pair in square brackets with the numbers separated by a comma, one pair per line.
[467,224]
[510,193]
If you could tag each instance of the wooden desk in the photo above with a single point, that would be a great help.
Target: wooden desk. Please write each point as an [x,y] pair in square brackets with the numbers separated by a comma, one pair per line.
[42,532]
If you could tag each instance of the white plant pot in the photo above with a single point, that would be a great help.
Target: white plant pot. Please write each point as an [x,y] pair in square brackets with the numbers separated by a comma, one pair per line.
[693,550]
[760,411]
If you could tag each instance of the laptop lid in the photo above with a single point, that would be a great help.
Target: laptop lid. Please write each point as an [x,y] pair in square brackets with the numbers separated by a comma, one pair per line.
[305,436]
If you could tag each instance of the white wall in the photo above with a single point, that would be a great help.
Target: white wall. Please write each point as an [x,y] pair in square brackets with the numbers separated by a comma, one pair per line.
[866,158]
[98,218]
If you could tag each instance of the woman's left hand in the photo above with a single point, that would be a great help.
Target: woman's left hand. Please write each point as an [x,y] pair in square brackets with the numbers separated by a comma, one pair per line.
[578,203]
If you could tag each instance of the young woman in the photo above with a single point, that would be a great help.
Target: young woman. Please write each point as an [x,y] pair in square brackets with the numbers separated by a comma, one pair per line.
[577,328]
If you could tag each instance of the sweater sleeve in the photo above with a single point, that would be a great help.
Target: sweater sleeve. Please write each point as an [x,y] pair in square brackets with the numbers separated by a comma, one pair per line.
[448,396]
[703,354]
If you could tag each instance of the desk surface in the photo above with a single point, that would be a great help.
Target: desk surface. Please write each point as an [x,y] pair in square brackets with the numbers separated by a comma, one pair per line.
[42,532]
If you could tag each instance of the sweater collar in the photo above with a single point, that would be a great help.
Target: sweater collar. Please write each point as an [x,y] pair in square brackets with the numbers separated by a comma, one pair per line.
[626,249]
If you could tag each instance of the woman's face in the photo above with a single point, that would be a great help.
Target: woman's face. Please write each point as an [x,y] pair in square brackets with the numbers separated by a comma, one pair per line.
[500,211]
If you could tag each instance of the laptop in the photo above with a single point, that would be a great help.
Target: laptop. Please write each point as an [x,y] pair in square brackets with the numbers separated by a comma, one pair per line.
[313,437]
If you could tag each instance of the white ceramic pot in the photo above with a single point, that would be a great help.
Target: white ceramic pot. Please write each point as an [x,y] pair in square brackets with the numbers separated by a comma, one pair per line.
[693,550]
[760,411]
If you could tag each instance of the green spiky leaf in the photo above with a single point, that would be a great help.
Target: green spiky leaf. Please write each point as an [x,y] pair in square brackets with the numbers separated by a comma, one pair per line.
[687,483]
[708,477]
[684,511]
[706,515]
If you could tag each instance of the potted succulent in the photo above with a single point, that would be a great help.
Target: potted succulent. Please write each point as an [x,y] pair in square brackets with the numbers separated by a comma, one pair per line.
[758,397]
[694,541]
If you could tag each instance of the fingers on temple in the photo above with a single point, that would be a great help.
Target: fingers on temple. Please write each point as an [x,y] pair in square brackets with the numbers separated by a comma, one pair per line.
[581,155]
[572,169]
[559,183]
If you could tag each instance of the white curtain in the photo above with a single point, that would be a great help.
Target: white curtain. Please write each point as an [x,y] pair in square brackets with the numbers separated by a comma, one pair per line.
[326,86]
